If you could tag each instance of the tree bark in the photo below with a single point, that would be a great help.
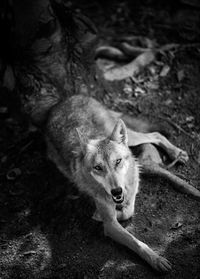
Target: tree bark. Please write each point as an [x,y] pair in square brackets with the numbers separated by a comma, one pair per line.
[51,54]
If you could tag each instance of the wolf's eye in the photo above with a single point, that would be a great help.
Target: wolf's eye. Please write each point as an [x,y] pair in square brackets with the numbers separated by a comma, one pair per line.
[118,161]
[98,168]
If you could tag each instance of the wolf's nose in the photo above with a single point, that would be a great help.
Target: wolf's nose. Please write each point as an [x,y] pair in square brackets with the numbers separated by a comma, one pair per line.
[116,192]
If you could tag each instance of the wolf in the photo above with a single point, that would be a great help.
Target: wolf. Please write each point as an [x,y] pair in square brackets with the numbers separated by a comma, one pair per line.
[91,146]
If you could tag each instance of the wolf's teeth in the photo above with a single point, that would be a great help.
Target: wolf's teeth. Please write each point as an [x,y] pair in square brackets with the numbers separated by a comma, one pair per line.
[118,199]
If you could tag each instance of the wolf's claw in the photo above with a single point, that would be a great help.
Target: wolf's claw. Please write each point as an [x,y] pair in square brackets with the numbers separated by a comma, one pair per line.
[157,262]
[163,264]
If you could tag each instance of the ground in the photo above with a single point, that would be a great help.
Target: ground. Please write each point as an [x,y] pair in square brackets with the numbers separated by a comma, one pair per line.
[46,227]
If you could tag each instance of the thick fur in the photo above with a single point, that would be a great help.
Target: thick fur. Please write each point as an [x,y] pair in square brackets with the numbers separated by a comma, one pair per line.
[90,145]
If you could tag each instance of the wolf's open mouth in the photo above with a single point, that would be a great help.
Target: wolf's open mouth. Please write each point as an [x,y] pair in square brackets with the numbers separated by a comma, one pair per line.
[118,199]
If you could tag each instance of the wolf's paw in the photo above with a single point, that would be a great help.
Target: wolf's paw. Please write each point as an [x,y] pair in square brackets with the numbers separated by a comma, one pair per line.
[182,156]
[178,155]
[157,262]
[161,264]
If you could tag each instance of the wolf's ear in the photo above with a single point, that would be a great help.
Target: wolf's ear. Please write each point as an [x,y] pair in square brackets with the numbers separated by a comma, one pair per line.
[119,133]
[82,139]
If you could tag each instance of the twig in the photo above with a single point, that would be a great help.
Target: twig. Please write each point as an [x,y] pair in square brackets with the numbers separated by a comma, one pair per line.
[180,175]
[172,164]
[167,47]
[195,178]
[179,128]
[25,147]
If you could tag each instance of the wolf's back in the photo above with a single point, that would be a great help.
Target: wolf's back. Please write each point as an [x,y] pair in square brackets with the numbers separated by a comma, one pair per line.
[76,112]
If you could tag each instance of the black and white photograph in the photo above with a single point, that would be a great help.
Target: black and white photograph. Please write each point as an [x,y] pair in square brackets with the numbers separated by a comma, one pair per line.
[100,139]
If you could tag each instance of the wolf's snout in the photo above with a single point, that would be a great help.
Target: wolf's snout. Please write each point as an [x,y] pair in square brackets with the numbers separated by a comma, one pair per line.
[117,195]
[116,192]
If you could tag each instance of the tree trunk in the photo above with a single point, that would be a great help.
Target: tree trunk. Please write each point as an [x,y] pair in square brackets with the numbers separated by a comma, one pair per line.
[51,54]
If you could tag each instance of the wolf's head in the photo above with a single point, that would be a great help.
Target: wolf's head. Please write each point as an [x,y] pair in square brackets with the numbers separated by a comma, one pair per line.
[108,163]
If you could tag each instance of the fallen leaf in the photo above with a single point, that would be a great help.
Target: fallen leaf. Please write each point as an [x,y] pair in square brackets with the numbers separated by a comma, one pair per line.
[128,89]
[190,125]
[165,70]
[189,118]
[180,75]
[153,85]
[139,91]
[152,69]
[168,102]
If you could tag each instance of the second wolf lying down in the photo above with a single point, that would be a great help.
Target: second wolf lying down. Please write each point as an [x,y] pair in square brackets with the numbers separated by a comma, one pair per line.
[90,146]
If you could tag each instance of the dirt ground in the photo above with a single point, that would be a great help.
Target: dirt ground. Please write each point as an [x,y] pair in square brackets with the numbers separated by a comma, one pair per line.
[46,230]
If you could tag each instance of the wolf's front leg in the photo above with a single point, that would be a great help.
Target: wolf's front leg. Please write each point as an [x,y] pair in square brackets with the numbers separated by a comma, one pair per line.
[114,230]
